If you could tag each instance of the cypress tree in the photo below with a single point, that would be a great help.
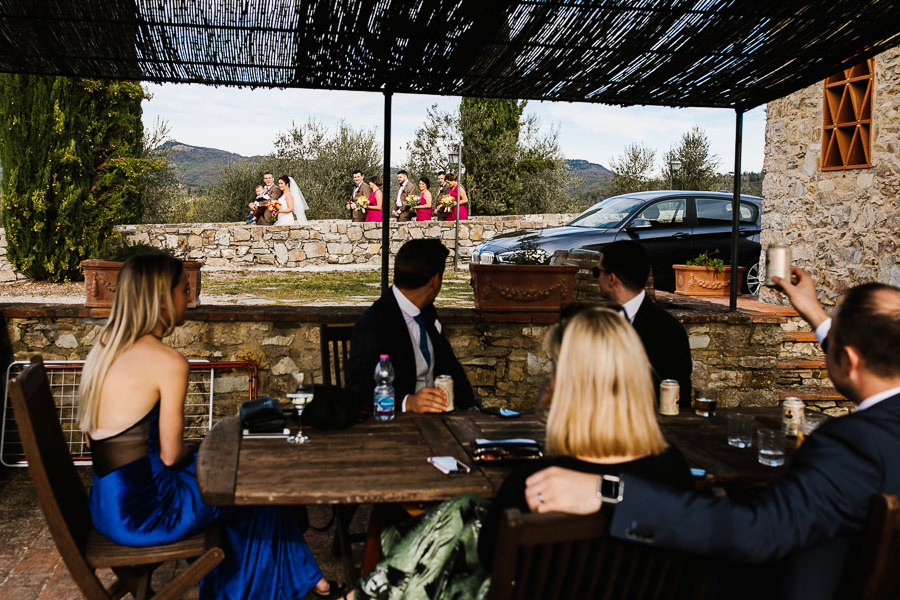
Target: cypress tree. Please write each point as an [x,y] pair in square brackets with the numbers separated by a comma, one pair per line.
[71,151]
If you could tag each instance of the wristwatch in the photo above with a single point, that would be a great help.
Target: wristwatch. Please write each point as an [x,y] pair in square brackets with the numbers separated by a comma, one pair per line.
[611,489]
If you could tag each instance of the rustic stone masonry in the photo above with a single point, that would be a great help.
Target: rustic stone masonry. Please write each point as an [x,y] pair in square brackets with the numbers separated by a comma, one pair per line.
[319,243]
[503,355]
[841,225]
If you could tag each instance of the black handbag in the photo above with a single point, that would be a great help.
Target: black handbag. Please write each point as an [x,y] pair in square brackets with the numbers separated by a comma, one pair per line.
[262,415]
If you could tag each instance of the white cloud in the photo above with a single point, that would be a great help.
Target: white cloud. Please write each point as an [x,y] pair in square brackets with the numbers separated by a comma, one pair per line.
[246,121]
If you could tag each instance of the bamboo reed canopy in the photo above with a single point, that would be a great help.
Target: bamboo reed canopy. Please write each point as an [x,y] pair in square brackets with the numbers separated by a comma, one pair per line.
[716,53]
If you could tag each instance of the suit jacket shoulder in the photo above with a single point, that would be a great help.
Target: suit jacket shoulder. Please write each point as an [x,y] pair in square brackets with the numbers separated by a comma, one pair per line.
[667,346]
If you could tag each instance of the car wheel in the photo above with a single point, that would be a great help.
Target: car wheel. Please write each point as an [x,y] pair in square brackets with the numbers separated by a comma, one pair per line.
[751,281]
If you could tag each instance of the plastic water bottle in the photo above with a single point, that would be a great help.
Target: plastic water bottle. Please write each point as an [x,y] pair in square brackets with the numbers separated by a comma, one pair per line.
[384,391]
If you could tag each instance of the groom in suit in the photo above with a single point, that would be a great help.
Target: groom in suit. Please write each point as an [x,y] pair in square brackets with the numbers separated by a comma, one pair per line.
[806,526]
[622,273]
[403,324]
[270,193]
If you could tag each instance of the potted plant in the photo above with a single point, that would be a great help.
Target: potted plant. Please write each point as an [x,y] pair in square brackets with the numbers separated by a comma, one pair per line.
[527,282]
[100,275]
[704,275]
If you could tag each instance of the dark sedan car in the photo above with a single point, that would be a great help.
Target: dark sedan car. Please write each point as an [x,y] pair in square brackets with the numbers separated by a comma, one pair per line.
[674,226]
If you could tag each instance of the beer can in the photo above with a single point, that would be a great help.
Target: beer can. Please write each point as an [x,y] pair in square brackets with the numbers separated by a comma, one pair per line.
[445,382]
[778,263]
[791,415]
[668,397]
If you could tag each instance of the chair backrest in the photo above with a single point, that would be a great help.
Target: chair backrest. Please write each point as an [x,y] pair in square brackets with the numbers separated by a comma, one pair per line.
[555,555]
[60,492]
[334,343]
[875,573]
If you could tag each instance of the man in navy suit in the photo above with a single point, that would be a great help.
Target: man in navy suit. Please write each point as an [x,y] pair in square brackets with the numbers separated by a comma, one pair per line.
[403,324]
[805,526]
[622,274]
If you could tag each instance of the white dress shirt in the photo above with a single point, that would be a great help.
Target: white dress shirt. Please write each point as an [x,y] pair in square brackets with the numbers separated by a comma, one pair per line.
[631,307]
[424,372]
[400,195]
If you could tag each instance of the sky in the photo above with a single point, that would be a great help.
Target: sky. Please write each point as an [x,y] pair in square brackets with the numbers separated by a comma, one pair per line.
[246,121]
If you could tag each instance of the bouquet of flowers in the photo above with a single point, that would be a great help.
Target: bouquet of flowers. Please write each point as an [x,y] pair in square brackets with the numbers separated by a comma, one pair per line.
[275,206]
[362,204]
[412,201]
[446,204]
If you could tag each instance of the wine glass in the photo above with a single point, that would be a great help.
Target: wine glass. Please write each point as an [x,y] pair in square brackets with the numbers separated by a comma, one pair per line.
[302,383]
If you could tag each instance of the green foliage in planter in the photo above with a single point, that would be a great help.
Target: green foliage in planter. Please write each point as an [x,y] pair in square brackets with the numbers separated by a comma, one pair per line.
[706,260]
[117,249]
[73,168]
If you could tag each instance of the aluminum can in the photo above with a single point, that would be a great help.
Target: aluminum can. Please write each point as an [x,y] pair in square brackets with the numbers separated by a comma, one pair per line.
[791,415]
[668,397]
[778,263]
[445,382]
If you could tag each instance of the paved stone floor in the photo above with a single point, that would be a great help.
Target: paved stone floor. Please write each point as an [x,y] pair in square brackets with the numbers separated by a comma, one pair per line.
[32,569]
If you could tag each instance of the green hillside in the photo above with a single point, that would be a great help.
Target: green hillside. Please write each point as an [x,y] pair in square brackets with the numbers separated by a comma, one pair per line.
[198,168]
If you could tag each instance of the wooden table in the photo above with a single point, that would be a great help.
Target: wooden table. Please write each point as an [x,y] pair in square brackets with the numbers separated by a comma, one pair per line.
[368,463]
[386,462]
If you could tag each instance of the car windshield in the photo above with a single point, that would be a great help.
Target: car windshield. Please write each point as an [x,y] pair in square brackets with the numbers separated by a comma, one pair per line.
[606,214]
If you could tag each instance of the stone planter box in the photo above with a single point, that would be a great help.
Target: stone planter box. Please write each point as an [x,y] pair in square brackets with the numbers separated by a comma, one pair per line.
[522,288]
[100,282]
[700,281]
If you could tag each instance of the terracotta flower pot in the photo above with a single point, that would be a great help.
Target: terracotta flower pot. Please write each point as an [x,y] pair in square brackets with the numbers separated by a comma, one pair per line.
[100,281]
[522,288]
[700,281]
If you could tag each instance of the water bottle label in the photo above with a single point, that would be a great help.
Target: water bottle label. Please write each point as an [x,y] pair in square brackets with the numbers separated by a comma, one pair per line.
[384,404]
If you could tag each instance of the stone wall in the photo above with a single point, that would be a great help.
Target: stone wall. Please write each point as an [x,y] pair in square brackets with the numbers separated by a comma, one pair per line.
[504,359]
[320,243]
[843,225]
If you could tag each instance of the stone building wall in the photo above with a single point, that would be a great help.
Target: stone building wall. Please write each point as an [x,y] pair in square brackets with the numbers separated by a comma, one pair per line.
[504,359]
[843,226]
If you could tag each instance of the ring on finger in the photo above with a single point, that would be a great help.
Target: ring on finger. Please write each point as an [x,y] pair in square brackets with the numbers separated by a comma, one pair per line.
[540,498]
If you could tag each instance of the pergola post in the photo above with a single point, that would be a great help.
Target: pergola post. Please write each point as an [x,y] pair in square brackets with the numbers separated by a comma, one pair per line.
[386,203]
[736,209]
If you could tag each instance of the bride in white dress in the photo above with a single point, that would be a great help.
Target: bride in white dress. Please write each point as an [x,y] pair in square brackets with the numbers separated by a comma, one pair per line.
[293,204]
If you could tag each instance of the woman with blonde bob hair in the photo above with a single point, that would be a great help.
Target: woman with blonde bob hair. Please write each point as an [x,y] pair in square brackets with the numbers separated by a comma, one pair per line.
[144,493]
[602,415]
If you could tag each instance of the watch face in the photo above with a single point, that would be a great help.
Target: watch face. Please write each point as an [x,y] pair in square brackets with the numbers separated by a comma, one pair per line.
[611,489]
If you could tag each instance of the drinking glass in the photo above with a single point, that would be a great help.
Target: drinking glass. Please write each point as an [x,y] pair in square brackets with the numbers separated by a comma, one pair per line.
[740,430]
[771,447]
[302,383]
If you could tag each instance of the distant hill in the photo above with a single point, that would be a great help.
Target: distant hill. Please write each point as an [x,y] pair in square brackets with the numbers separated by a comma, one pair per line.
[595,184]
[198,167]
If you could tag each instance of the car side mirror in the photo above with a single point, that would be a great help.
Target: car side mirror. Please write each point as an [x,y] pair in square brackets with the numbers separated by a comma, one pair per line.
[640,224]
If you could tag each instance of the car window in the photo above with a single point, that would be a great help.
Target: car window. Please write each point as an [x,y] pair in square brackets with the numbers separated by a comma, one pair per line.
[606,214]
[665,213]
[717,211]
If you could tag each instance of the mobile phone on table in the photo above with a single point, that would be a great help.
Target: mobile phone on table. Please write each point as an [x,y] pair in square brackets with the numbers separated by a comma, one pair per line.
[448,464]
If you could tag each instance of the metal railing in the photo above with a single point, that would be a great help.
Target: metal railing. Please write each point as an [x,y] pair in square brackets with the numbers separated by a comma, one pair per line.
[64,378]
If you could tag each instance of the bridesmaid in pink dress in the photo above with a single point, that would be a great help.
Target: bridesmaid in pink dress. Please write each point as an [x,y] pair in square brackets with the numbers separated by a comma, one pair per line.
[458,193]
[424,210]
[375,201]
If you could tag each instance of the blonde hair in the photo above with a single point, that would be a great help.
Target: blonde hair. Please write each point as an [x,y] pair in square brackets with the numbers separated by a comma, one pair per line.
[603,403]
[143,300]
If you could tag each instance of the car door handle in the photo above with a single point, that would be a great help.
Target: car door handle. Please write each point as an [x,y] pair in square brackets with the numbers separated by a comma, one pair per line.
[680,236]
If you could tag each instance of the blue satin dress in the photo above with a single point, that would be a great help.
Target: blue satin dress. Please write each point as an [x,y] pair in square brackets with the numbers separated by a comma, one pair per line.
[136,500]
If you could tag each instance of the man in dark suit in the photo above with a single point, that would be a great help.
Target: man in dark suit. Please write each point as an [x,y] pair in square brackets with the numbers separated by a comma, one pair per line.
[622,273]
[394,325]
[805,526]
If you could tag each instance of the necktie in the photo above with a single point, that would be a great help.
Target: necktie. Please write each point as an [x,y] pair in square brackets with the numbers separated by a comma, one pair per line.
[423,339]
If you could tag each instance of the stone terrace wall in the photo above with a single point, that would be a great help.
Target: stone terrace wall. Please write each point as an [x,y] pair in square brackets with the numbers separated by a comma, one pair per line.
[504,359]
[842,226]
[320,243]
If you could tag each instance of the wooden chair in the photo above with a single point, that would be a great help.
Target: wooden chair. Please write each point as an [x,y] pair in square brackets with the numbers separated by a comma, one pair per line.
[875,573]
[334,343]
[555,555]
[65,505]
